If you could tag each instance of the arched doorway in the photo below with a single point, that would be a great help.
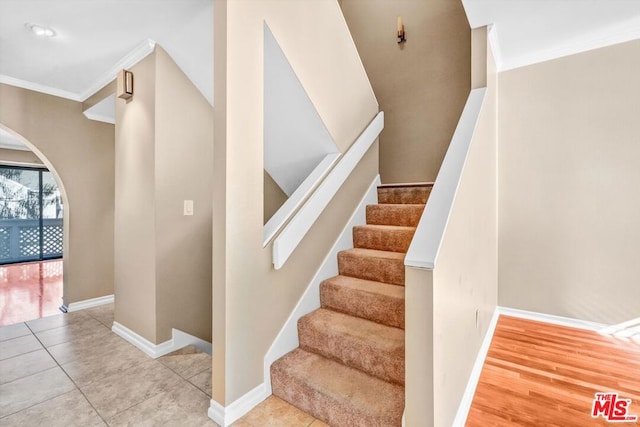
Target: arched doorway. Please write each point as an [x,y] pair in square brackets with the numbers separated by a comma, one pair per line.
[32,231]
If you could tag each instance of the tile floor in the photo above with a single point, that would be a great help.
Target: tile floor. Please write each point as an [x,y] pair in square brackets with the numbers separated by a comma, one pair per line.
[71,370]
[30,291]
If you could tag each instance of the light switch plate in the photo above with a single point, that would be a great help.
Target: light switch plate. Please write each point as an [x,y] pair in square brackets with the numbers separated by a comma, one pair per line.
[188,207]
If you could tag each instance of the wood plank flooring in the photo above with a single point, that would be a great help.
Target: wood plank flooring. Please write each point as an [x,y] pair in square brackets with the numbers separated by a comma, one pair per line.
[539,374]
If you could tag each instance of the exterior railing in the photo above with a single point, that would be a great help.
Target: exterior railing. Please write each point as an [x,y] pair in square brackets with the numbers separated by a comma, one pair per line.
[20,239]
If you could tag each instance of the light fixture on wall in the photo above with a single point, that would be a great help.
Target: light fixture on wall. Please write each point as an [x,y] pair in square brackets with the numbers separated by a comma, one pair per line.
[125,84]
[401,35]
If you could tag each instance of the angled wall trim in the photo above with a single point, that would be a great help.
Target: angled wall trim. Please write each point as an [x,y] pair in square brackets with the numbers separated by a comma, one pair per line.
[227,415]
[11,81]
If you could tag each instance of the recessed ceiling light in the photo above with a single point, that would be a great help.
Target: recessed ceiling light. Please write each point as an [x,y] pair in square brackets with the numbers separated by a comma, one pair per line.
[40,30]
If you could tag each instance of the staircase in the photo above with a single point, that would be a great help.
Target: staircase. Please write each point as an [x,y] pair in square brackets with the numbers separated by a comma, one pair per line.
[349,368]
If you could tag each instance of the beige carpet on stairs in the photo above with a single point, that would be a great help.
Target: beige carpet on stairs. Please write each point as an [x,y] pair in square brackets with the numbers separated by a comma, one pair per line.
[349,368]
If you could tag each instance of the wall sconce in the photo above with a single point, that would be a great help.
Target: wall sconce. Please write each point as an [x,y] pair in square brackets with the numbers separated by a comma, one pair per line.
[401,35]
[125,84]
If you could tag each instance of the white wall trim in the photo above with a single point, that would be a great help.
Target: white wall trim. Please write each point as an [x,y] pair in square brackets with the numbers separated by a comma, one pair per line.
[179,340]
[36,87]
[427,239]
[297,228]
[89,303]
[129,60]
[226,415]
[287,209]
[550,318]
[472,384]
[287,338]
[99,117]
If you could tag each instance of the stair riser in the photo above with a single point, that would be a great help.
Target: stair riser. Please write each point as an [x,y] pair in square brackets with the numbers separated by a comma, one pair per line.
[383,240]
[381,270]
[377,362]
[322,406]
[382,309]
[404,215]
[404,195]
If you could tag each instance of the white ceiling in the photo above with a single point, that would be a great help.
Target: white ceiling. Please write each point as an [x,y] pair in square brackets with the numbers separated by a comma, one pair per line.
[9,141]
[530,31]
[97,37]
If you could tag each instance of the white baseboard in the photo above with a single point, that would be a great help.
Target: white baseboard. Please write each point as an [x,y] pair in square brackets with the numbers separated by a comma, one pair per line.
[179,340]
[226,415]
[287,338]
[88,303]
[550,318]
[470,390]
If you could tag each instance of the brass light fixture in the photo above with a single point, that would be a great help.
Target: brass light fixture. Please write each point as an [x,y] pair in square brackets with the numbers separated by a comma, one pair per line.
[125,84]
[401,34]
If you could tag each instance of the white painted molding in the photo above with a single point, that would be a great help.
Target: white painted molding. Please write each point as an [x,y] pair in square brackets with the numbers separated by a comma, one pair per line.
[294,201]
[12,81]
[129,60]
[297,228]
[226,415]
[472,384]
[99,117]
[494,44]
[89,303]
[179,340]
[424,248]
[550,318]
[287,338]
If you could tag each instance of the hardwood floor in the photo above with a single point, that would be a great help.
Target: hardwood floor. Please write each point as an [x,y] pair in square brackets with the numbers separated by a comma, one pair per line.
[538,374]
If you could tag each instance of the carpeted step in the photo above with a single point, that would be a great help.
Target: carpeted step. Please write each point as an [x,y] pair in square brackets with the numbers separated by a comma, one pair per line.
[394,214]
[408,194]
[335,393]
[383,237]
[371,264]
[375,301]
[371,347]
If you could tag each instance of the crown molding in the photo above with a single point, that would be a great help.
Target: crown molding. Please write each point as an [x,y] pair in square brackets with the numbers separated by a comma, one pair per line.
[99,117]
[12,81]
[136,55]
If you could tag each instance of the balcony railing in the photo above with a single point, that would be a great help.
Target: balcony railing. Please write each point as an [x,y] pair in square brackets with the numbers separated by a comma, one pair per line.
[20,239]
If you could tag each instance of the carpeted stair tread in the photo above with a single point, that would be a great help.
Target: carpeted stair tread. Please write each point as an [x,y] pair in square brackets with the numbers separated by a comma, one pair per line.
[375,301]
[392,238]
[404,195]
[395,214]
[335,393]
[371,347]
[371,264]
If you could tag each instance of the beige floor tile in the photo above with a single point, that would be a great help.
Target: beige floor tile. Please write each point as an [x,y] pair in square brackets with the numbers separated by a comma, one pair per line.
[202,381]
[129,387]
[14,331]
[275,412]
[102,313]
[187,361]
[50,322]
[318,423]
[86,347]
[183,405]
[24,365]
[34,389]
[89,327]
[17,346]
[101,363]
[70,409]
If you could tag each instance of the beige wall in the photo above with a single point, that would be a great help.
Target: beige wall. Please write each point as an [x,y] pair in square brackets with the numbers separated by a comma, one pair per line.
[251,299]
[11,157]
[569,199]
[164,139]
[458,297]
[274,197]
[80,152]
[421,85]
